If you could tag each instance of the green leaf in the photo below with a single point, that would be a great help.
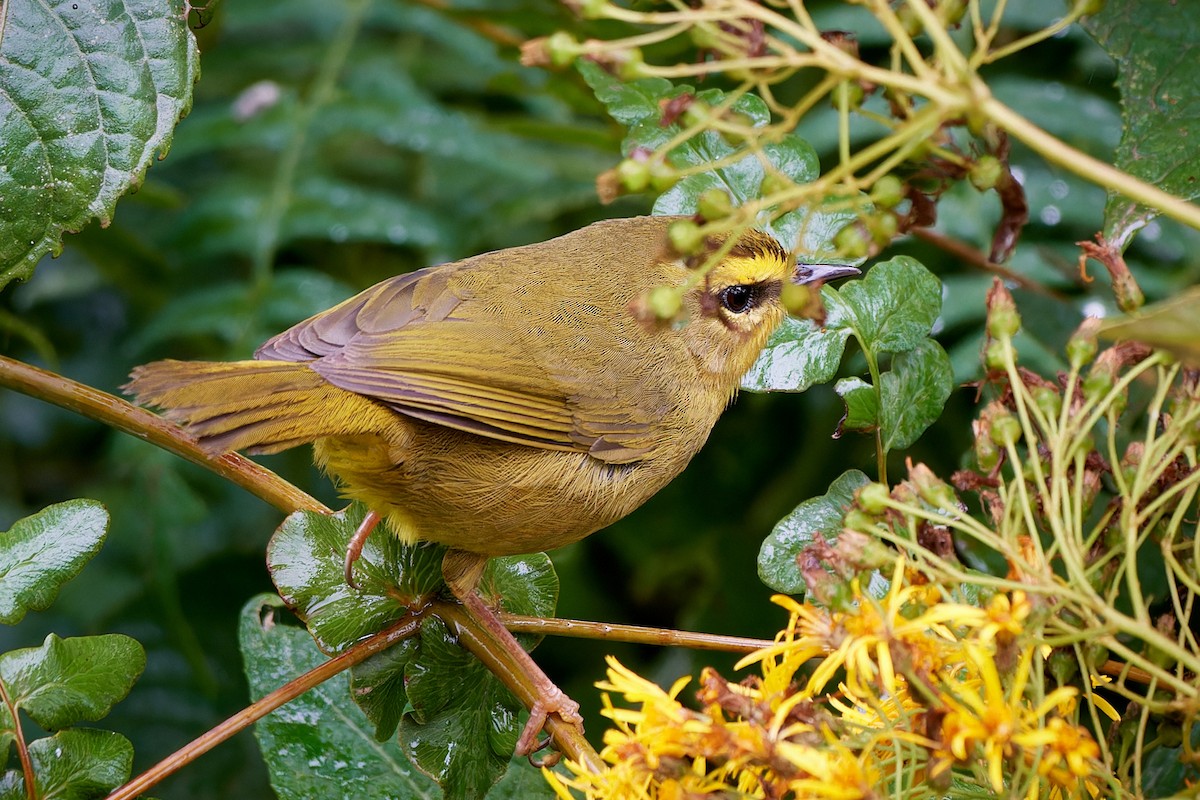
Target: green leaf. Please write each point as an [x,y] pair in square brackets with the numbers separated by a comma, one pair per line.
[458,722]
[305,559]
[42,552]
[464,723]
[1155,47]
[821,516]
[90,92]
[892,309]
[318,745]
[442,697]
[637,106]
[68,681]
[799,354]
[914,392]
[76,764]
[862,405]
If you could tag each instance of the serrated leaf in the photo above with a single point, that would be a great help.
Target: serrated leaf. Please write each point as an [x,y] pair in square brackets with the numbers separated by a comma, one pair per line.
[893,308]
[83,112]
[68,681]
[627,102]
[821,516]
[914,392]
[1171,325]
[305,560]
[1155,47]
[799,354]
[42,552]
[76,764]
[464,723]
[862,406]
[637,106]
[319,745]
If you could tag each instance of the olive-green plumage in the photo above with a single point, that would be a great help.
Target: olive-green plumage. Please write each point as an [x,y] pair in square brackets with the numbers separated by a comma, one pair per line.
[507,403]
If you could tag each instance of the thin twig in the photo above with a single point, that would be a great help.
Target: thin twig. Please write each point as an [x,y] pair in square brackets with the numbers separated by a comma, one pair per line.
[243,719]
[124,416]
[633,634]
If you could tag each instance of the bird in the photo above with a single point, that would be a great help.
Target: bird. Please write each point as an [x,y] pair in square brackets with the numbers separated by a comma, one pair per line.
[508,403]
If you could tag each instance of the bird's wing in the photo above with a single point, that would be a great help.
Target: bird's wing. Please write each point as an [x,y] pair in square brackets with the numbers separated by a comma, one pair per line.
[402,344]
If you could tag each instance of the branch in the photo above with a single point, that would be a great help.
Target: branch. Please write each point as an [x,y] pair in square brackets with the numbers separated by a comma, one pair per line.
[252,713]
[143,424]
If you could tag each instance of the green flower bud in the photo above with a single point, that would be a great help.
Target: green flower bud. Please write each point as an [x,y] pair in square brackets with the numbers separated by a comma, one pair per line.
[852,241]
[796,298]
[847,94]
[686,237]
[662,175]
[1048,401]
[714,204]
[664,302]
[634,176]
[887,192]
[562,49]
[1005,429]
[873,498]
[985,173]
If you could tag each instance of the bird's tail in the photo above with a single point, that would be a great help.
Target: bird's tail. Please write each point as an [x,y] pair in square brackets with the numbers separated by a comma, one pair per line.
[258,406]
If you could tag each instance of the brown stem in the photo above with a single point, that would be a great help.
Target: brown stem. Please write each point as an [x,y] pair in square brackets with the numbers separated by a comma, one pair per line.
[634,634]
[977,259]
[113,411]
[22,748]
[360,652]
[472,635]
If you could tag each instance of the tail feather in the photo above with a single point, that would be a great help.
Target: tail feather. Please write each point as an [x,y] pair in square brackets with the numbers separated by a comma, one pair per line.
[260,406]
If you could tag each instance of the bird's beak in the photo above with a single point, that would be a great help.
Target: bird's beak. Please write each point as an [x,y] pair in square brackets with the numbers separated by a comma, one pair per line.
[822,273]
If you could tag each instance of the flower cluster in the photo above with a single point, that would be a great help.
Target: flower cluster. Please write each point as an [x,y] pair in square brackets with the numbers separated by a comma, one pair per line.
[900,695]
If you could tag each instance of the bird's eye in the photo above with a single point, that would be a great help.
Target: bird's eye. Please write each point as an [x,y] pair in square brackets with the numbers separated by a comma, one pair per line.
[740,298]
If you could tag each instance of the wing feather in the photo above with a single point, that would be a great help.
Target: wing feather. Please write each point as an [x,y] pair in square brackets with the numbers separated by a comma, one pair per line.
[424,345]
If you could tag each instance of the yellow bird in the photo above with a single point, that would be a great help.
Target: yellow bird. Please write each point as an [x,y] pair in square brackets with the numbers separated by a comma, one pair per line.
[504,404]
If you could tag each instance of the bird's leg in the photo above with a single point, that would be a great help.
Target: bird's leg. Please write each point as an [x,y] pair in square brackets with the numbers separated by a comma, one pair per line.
[357,541]
[462,572]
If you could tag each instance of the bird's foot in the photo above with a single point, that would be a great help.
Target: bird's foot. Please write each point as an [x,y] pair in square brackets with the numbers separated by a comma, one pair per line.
[355,547]
[552,701]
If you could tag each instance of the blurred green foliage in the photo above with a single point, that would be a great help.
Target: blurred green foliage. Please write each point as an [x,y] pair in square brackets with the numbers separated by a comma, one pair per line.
[333,144]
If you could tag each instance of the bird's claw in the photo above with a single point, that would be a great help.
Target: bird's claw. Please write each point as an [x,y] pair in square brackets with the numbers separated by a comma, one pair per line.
[553,703]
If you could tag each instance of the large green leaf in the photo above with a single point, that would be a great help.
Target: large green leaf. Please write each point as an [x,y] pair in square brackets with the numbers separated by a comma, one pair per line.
[42,552]
[68,681]
[90,92]
[457,721]
[1155,46]
[800,353]
[892,309]
[320,745]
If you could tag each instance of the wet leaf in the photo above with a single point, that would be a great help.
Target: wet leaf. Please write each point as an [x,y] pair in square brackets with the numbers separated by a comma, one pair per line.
[83,113]
[1155,47]
[320,744]
[821,516]
[76,764]
[68,681]
[893,308]
[914,392]
[42,552]
[800,354]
